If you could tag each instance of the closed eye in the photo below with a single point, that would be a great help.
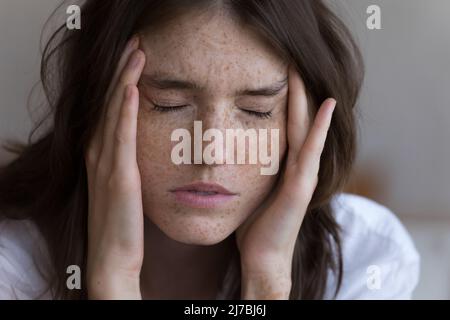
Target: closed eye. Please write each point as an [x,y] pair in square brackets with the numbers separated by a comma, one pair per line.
[264,115]
[161,108]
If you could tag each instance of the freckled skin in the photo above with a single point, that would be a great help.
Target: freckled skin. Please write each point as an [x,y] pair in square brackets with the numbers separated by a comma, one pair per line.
[222,56]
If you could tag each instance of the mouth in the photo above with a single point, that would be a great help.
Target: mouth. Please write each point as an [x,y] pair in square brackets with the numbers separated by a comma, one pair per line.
[203,195]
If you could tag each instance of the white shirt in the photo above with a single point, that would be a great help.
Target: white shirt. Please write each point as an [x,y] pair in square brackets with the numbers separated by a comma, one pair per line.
[380,260]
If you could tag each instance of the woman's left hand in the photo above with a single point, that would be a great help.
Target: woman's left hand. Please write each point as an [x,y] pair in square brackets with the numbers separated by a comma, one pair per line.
[266,240]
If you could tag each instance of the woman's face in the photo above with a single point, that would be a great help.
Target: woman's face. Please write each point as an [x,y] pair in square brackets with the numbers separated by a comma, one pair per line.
[222,59]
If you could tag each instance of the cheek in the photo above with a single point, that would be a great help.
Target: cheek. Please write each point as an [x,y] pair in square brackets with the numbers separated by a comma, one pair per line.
[154,146]
[255,187]
[158,174]
[153,153]
[152,149]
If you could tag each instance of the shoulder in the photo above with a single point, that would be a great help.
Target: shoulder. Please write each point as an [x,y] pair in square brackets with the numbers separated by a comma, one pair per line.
[23,261]
[380,260]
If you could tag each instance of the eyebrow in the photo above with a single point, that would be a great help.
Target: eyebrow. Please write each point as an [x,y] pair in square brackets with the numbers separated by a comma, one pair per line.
[166,83]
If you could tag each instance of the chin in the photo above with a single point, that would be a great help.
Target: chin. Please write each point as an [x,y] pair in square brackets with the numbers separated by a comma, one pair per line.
[193,239]
[196,230]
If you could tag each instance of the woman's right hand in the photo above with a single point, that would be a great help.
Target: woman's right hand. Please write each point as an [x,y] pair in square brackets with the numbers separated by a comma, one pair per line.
[115,218]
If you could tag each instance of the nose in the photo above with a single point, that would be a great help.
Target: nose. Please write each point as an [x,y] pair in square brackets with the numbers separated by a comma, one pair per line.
[215,115]
[210,127]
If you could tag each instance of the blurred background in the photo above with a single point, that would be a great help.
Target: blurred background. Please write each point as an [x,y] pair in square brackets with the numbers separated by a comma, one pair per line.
[404,115]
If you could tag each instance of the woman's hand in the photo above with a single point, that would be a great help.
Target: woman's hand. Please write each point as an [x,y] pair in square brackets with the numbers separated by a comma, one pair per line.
[115,219]
[266,240]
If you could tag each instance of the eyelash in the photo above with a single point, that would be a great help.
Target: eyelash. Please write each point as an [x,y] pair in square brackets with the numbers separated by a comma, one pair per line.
[168,108]
[263,115]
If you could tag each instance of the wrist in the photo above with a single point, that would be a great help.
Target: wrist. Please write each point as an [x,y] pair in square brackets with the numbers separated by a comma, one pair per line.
[113,287]
[265,286]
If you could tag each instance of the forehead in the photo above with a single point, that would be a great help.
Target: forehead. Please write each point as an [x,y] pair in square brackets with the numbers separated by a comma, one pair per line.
[212,49]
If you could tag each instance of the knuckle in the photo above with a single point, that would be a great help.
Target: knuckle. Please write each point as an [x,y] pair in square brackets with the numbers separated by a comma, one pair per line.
[120,137]
[123,80]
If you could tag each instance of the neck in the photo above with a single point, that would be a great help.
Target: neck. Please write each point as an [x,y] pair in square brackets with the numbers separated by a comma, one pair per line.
[174,270]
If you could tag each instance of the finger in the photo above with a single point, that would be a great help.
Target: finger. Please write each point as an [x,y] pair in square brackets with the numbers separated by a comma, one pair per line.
[132,45]
[129,76]
[298,118]
[125,135]
[309,159]
[95,145]
[96,142]
[299,185]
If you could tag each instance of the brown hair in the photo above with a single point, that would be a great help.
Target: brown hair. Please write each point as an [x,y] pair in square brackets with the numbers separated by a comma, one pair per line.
[47,181]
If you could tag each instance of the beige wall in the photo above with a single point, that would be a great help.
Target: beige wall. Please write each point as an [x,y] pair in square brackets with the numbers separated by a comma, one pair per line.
[21,22]
[405,123]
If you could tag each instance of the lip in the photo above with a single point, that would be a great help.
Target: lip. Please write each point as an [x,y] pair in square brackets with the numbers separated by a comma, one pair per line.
[203,195]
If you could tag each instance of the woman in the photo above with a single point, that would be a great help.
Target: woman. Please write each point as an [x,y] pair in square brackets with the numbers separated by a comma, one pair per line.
[100,190]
